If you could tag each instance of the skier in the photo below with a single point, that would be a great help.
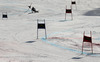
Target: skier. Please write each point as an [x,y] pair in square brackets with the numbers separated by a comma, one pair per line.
[29,6]
[34,10]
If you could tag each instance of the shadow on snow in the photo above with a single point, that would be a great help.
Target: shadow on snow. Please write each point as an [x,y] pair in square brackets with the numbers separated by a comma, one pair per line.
[29,41]
[95,12]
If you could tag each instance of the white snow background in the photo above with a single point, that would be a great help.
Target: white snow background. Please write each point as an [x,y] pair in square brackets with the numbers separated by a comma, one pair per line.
[18,33]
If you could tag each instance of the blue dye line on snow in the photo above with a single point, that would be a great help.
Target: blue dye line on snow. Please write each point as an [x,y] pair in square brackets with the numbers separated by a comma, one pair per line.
[43,39]
[59,46]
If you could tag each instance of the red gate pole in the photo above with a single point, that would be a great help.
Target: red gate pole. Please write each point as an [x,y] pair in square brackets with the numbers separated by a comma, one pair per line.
[91,42]
[76,5]
[65,11]
[82,47]
[83,42]
[37,28]
[45,30]
[71,13]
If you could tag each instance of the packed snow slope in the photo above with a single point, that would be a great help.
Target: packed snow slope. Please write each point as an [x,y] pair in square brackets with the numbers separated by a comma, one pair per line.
[18,33]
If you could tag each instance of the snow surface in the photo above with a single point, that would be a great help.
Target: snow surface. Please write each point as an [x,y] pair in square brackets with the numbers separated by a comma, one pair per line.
[18,33]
